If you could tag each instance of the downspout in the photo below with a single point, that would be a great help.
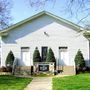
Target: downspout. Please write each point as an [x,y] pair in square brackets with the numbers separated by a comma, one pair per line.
[89,53]
[87,36]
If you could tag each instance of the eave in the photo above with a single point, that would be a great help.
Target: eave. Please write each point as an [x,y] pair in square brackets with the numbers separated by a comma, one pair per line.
[74,26]
[87,34]
[4,34]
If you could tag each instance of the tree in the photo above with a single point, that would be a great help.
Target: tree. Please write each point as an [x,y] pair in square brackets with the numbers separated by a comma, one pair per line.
[36,55]
[50,56]
[5,7]
[10,59]
[79,60]
[73,8]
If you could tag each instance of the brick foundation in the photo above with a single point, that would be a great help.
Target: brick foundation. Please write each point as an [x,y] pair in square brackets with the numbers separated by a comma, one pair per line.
[66,70]
[26,70]
[23,70]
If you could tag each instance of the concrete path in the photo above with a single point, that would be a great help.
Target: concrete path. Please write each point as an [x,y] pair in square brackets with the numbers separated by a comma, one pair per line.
[40,83]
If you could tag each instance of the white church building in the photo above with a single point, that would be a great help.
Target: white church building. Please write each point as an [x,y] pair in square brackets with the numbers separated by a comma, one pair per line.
[44,30]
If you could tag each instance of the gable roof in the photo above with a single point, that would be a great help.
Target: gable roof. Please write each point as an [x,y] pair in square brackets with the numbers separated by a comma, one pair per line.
[75,26]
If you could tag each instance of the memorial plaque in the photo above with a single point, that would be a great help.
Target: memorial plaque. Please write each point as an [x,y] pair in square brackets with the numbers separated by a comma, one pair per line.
[43,68]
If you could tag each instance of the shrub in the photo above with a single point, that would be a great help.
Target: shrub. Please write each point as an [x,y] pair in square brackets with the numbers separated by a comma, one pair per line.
[50,56]
[88,69]
[0,69]
[3,69]
[36,55]
[9,69]
[79,59]
[79,62]
[9,59]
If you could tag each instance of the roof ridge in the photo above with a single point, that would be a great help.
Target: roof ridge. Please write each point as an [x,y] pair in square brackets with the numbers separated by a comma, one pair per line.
[38,14]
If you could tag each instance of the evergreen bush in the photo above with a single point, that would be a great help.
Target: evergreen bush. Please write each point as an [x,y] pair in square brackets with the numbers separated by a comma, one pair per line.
[50,56]
[36,56]
[79,60]
[10,59]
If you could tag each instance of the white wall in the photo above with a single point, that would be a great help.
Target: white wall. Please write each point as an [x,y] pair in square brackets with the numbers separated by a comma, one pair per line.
[31,34]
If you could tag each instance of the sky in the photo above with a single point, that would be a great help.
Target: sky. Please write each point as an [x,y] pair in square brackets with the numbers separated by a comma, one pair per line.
[21,10]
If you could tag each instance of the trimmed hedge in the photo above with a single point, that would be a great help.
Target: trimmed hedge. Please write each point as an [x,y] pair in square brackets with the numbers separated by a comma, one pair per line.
[79,59]
[10,59]
[50,56]
[36,55]
[80,62]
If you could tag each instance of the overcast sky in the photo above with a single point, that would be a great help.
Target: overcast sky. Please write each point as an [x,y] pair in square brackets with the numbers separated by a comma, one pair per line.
[22,10]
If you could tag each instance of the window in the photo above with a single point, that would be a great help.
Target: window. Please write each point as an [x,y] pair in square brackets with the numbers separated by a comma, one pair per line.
[63,56]
[25,56]
[44,53]
[25,49]
[63,48]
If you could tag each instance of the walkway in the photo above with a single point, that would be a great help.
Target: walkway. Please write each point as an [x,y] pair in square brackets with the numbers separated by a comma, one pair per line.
[40,83]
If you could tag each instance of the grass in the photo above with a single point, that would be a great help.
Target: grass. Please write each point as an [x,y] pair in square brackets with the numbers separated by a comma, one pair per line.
[8,82]
[78,82]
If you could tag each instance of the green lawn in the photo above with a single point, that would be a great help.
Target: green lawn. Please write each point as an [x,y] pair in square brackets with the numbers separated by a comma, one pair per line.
[13,83]
[78,82]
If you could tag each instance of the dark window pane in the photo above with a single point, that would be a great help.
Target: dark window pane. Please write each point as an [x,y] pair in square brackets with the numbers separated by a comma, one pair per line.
[62,47]
[44,53]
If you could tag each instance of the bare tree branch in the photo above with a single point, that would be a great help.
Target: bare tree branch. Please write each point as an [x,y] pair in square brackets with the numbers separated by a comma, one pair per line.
[38,3]
[5,7]
[83,18]
[73,7]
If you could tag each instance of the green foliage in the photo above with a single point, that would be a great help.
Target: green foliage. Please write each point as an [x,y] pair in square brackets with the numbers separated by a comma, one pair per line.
[5,69]
[50,56]
[10,59]
[9,82]
[36,56]
[76,82]
[79,59]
